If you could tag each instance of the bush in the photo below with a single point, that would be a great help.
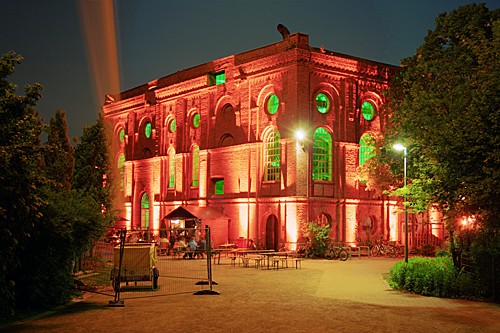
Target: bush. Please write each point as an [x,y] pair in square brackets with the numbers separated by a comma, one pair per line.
[318,239]
[434,277]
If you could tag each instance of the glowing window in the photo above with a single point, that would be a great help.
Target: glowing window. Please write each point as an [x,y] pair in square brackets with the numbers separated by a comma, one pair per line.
[121,135]
[366,148]
[196,120]
[368,111]
[145,211]
[219,186]
[322,155]
[273,104]
[171,168]
[147,130]
[121,170]
[322,103]
[272,156]
[220,78]
[172,126]
[216,78]
[195,159]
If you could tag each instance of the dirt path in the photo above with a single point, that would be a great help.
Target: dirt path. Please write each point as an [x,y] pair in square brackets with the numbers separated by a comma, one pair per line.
[323,296]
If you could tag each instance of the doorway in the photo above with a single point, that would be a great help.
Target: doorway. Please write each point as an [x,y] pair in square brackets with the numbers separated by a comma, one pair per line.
[272,233]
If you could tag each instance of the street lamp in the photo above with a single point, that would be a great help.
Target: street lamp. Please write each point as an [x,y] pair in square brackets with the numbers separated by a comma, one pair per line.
[400,147]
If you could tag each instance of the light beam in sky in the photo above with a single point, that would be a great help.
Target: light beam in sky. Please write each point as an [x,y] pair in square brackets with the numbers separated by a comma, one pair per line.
[98,26]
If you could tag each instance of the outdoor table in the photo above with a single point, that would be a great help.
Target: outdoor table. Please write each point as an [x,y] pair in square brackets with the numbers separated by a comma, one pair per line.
[227,245]
[273,254]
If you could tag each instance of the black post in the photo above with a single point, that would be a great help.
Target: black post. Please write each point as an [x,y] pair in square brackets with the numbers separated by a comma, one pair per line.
[117,279]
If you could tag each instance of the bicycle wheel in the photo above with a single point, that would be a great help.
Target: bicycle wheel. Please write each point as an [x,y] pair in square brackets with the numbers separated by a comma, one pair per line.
[375,251]
[329,254]
[390,252]
[343,255]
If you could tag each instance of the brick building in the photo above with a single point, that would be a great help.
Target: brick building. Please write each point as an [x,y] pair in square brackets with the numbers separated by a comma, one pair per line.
[223,135]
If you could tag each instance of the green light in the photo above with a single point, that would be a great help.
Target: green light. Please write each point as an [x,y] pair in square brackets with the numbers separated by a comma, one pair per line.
[366,148]
[196,120]
[368,110]
[220,78]
[219,187]
[147,130]
[322,103]
[273,104]
[173,126]
[121,135]
[196,166]
[322,155]
[171,169]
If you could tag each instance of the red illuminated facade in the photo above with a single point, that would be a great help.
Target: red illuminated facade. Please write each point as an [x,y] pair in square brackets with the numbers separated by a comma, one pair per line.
[224,135]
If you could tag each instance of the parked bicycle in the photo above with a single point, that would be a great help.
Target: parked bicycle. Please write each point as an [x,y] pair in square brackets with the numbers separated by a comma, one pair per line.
[383,248]
[336,252]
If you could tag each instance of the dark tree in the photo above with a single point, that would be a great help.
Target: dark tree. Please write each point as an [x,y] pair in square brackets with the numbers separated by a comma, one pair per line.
[59,153]
[445,108]
[92,168]
[20,176]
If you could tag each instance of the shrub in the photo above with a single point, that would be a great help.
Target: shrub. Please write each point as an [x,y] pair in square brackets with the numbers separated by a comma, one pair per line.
[318,239]
[433,277]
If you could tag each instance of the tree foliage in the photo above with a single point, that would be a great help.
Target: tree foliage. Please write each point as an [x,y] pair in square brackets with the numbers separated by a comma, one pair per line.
[93,171]
[20,175]
[45,221]
[59,153]
[444,106]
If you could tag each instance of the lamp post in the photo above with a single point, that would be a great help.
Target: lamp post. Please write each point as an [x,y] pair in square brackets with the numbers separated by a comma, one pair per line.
[400,147]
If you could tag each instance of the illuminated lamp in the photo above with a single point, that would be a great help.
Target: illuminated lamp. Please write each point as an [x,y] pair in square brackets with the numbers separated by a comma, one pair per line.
[300,135]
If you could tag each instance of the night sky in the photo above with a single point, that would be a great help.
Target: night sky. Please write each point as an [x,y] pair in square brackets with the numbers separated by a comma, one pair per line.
[155,38]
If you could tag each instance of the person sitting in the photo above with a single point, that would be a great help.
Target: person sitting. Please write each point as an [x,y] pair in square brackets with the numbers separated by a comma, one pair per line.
[191,248]
[251,245]
[164,245]
[202,248]
[181,247]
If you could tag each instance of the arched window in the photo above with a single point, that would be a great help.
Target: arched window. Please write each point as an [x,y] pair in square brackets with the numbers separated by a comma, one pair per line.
[322,155]
[121,170]
[121,135]
[195,159]
[368,111]
[171,168]
[148,130]
[366,148]
[272,153]
[145,211]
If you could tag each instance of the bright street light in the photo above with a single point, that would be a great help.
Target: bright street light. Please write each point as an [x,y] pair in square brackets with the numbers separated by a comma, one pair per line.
[300,135]
[400,147]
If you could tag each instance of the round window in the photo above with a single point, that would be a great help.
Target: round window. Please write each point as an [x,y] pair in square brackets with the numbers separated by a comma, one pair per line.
[172,126]
[196,120]
[121,135]
[273,104]
[368,111]
[322,103]
[147,130]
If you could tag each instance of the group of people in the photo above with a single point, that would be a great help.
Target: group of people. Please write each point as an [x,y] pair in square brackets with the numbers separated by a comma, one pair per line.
[186,245]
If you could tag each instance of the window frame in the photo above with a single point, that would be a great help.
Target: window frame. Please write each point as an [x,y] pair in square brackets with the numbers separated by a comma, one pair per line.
[272,104]
[322,157]
[145,213]
[328,101]
[372,113]
[195,166]
[272,155]
[171,169]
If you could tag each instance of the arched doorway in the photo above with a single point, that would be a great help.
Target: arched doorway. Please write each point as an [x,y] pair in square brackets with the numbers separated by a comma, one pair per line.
[272,233]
